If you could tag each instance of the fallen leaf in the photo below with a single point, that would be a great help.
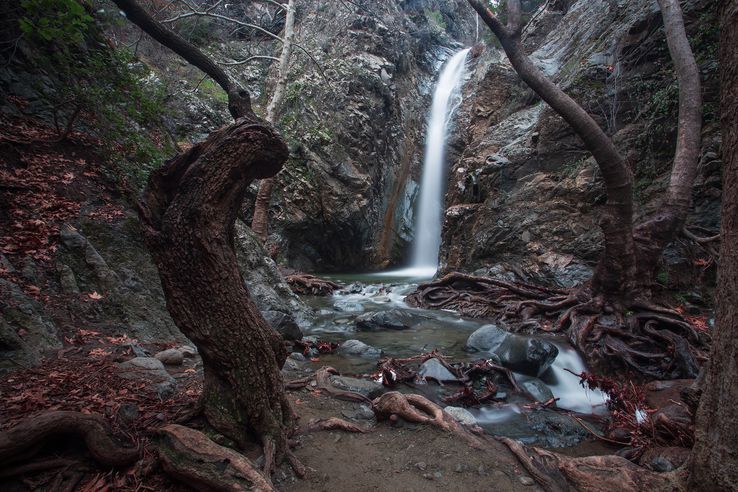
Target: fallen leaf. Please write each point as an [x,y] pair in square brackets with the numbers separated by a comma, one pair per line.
[95,296]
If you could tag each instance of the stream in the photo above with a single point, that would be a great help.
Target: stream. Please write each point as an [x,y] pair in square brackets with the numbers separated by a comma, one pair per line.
[448,332]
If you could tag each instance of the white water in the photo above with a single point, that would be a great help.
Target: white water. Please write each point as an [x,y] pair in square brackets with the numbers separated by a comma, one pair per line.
[566,387]
[446,98]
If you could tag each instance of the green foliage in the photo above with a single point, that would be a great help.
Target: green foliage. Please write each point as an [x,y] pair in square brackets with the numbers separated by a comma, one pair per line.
[115,95]
[51,20]
[210,89]
[663,277]
[435,19]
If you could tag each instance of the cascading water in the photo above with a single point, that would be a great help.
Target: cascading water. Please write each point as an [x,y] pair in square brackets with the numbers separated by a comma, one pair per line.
[427,242]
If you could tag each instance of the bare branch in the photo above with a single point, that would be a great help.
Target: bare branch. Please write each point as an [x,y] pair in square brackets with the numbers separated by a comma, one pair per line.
[200,13]
[249,59]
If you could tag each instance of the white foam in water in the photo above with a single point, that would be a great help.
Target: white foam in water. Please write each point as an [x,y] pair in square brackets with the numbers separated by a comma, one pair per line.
[567,387]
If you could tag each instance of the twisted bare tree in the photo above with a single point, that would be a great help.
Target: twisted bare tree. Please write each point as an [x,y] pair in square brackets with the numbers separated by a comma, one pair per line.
[188,211]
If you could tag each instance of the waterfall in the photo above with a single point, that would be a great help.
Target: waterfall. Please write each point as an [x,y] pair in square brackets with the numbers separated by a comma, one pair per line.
[446,99]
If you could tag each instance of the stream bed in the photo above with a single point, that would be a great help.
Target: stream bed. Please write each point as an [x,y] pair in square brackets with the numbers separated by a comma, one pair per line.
[339,318]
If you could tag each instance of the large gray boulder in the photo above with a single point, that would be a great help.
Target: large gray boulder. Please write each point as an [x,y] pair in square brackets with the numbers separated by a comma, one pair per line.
[278,304]
[523,354]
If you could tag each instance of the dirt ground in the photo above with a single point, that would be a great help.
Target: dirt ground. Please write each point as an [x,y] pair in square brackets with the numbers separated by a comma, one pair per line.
[401,457]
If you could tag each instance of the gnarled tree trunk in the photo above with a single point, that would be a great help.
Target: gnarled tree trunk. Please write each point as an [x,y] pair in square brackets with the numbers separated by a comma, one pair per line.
[188,210]
[715,453]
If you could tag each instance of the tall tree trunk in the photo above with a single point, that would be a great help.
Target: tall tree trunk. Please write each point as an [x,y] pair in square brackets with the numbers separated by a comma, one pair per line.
[260,222]
[715,454]
[188,210]
[653,236]
[615,275]
[626,269]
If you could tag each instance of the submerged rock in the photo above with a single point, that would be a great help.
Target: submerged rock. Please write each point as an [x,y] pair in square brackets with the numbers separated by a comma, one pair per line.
[356,347]
[391,319]
[433,369]
[526,355]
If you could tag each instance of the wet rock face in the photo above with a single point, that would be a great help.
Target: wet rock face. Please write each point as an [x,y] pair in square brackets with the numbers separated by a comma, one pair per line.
[342,203]
[392,319]
[522,354]
[522,189]
[278,304]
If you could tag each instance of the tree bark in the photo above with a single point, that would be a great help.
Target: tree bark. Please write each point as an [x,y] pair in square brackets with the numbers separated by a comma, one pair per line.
[654,235]
[239,100]
[22,440]
[715,453]
[188,211]
[260,222]
[616,273]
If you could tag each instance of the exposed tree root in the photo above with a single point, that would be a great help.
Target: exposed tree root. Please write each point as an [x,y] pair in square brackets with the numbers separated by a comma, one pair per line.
[24,440]
[306,284]
[191,457]
[331,423]
[558,473]
[650,340]
[322,378]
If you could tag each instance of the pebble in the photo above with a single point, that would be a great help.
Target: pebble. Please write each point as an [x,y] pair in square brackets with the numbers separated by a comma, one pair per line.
[421,466]
[527,481]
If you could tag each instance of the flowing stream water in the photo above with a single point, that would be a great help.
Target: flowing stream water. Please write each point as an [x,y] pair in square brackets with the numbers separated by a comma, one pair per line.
[444,330]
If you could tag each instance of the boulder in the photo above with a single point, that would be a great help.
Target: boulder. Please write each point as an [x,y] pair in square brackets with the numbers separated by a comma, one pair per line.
[151,371]
[283,323]
[523,354]
[356,347]
[391,319]
[433,369]
[170,357]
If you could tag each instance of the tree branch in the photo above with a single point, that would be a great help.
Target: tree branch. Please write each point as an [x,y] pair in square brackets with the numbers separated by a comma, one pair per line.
[239,101]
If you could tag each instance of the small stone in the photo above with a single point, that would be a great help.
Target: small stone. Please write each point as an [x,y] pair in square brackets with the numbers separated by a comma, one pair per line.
[437,475]
[527,481]
[170,357]
[421,465]
[297,356]
[461,415]
[460,468]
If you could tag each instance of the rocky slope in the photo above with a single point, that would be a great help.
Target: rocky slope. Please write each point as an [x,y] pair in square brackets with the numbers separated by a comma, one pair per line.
[523,194]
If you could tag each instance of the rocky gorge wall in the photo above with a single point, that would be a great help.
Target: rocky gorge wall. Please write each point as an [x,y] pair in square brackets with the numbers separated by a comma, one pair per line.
[344,199]
[523,193]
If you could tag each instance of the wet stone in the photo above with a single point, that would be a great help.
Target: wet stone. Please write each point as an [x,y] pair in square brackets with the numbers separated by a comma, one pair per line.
[433,369]
[357,347]
[365,387]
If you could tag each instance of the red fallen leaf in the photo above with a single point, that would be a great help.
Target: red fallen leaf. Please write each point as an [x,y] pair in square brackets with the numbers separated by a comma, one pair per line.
[33,290]
[299,402]
[95,296]
[314,359]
